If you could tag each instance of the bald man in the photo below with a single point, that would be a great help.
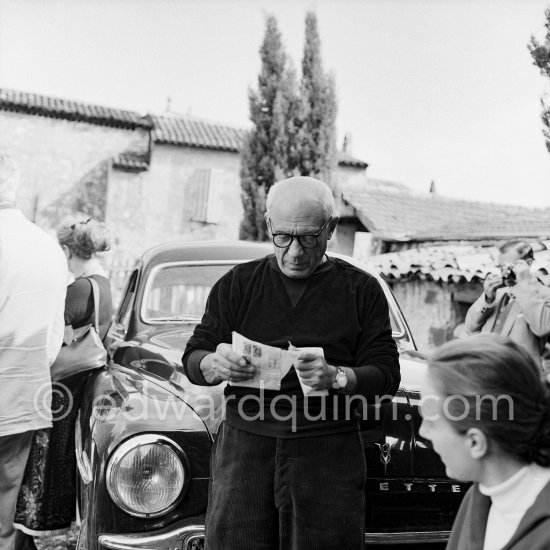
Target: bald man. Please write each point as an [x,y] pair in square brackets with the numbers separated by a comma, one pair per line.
[288,471]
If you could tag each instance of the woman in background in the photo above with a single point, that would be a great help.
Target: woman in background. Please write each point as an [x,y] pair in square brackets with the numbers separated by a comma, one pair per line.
[46,503]
[487,412]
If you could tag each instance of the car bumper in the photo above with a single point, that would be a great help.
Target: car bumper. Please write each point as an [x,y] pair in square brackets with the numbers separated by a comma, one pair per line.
[189,535]
[184,535]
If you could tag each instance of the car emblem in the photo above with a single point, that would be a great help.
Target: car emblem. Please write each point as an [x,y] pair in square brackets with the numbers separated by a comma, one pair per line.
[385,454]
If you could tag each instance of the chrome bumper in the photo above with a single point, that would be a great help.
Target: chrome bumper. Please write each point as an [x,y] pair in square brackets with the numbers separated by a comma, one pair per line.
[189,536]
[408,537]
[181,536]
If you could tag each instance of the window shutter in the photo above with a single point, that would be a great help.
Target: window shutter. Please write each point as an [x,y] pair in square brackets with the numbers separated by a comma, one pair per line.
[206,187]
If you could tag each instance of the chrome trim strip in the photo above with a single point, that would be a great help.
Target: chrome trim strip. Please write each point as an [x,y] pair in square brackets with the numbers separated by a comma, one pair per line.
[178,538]
[82,459]
[409,537]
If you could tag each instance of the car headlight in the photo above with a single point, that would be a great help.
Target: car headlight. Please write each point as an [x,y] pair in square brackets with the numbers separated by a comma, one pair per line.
[147,475]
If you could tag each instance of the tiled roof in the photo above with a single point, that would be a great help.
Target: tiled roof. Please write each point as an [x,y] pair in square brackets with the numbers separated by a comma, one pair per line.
[451,264]
[344,159]
[172,130]
[131,162]
[395,212]
[195,132]
[54,107]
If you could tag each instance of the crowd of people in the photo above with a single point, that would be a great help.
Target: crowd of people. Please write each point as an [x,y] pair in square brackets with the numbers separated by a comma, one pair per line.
[278,484]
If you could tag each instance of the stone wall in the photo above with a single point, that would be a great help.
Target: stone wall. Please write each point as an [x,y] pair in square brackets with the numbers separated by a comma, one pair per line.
[434,311]
[164,203]
[64,164]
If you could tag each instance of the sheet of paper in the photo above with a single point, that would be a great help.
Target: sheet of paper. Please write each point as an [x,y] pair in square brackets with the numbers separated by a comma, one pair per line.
[272,364]
[267,360]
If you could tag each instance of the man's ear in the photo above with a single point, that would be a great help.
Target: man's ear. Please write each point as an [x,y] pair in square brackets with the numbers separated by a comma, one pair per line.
[266,218]
[477,443]
[332,226]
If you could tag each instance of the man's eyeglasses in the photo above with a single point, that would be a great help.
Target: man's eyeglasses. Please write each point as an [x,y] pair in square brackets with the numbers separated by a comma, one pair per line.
[283,240]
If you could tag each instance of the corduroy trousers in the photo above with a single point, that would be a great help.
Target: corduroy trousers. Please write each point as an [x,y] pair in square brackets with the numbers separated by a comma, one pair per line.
[304,493]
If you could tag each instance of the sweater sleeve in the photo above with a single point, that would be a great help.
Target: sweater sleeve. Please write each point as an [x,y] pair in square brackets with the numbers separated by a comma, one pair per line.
[215,327]
[377,359]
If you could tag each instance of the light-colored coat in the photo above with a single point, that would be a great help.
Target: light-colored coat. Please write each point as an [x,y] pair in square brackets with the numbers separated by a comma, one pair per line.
[528,322]
[33,283]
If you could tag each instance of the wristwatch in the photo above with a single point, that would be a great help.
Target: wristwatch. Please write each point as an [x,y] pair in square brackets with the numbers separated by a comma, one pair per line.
[341,379]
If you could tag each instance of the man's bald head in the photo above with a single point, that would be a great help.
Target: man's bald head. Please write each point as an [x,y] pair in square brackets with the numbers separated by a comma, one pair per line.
[303,194]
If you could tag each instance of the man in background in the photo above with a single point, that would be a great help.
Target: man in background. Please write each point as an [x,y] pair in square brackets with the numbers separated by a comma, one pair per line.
[514,303]
[33,284]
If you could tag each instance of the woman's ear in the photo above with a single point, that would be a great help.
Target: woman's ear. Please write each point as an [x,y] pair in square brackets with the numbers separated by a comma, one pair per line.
[477,443]
[67,251]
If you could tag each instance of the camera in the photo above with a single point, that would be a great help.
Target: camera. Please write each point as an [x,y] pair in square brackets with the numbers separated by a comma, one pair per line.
[508,275]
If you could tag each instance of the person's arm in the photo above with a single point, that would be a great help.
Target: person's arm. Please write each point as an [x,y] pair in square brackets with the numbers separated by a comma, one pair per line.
[377,372]
[79,305]
[482,308]
[208,358]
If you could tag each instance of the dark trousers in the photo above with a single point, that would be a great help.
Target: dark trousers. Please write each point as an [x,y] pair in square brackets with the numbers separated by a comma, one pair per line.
[289,494]
[14,451]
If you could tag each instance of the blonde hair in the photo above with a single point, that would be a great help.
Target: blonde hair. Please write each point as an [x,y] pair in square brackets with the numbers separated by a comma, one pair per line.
[84,236]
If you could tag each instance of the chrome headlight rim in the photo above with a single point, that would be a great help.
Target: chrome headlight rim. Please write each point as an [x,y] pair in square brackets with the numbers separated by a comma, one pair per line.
[130,444]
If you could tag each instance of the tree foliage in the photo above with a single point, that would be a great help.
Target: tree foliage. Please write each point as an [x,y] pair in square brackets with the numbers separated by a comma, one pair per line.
[317,116]
[540,53]
[292,127]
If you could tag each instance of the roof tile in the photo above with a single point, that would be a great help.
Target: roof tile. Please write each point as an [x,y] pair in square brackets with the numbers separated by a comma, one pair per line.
[53,107]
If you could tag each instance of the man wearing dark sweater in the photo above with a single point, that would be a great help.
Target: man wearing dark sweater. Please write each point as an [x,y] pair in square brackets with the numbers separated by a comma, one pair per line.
[288,471]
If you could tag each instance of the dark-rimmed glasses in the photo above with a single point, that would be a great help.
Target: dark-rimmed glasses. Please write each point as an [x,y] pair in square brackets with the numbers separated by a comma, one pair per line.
[284,240]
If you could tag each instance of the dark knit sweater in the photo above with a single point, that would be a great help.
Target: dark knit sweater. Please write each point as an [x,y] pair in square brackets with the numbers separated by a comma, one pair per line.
[342,309]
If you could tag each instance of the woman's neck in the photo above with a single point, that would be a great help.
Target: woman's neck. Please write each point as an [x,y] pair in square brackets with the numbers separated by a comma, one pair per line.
[498,469]
[85,268]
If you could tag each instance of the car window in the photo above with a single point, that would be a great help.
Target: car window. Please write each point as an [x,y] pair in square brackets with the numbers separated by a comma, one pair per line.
[179,292]
[123,314]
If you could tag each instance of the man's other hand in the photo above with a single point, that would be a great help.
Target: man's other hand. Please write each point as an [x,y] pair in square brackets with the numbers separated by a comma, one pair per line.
[315,371]
[490,286]
[226,364]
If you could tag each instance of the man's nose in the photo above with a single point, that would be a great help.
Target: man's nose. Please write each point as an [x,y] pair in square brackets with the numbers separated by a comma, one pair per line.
[295,249]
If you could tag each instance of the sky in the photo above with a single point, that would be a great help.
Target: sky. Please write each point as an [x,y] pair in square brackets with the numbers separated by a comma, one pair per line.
[430,90]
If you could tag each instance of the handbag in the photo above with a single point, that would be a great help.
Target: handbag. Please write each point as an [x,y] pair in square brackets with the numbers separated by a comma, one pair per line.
[84,350]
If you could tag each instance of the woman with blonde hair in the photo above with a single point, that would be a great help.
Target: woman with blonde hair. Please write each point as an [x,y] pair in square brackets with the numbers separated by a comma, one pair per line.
[47,497]
[486,410]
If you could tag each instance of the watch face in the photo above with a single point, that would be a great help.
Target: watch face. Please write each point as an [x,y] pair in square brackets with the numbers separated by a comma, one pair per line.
[341,379]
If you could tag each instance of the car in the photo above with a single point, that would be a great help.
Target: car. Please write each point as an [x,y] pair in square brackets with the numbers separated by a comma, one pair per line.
[144,433]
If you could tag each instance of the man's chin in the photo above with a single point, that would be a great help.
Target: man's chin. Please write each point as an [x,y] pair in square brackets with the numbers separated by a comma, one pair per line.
[296,272]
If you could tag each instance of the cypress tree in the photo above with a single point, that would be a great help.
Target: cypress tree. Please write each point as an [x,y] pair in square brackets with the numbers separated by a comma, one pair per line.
[264,151]
[317,112]
[541,58]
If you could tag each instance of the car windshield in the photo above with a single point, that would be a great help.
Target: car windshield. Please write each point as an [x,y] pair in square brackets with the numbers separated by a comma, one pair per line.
[178,293]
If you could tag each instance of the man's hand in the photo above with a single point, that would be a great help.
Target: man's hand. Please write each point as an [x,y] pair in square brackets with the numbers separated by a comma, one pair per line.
[315,371]
[490,286]
[226,364]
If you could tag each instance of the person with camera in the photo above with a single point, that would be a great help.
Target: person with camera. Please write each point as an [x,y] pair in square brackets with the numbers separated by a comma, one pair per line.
[513,303]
